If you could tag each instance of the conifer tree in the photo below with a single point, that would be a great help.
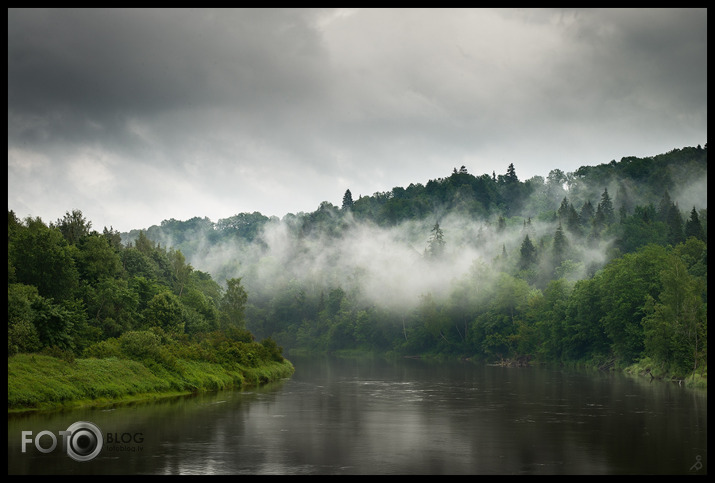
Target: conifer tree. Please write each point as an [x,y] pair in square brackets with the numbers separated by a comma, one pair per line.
[527,254]
[560,247]
[435,247]
[693,227]
[606,207]
[347,200]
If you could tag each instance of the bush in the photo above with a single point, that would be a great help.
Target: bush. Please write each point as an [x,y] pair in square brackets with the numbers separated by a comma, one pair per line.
[273,350]
[104,349]
[140,345]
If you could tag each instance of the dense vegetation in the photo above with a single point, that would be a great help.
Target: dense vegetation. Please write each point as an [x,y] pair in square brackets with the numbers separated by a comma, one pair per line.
[602,266]
[605,266]
[109,311]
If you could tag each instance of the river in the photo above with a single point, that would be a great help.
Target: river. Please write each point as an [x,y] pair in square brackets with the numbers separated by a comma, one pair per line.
[337,416]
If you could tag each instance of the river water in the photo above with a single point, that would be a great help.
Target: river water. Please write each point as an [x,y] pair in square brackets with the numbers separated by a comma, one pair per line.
[374,417]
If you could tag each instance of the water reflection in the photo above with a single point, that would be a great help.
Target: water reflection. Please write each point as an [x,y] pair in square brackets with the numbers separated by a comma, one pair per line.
[410,417]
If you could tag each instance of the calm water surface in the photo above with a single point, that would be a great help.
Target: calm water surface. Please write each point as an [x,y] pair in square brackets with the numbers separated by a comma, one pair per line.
[408,417]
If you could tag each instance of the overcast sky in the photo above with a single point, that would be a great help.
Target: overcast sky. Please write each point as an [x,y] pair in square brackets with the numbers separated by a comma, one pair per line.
[137,116]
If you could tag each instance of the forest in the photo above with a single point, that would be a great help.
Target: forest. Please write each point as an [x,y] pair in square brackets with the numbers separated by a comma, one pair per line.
[605,266]
[90,319]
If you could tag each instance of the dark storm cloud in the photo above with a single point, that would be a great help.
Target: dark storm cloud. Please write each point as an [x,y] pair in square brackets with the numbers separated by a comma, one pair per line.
[84,70]
[135,116]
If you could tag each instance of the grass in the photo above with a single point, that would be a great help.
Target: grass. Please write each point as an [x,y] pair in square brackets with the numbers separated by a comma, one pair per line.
[646,368]
[41,382]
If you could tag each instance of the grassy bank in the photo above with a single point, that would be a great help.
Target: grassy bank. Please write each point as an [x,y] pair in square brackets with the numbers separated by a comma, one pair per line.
[645,368]
[41,382]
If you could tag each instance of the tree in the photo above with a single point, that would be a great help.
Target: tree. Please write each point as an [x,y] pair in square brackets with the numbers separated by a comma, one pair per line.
[674,328]
[22,335]
[347,200]
[586,214]
[73,226]
[674,221]
[436,244]
[41,257]
[664,207]
[233,304]
[572,221]
[143,243]
[180,270]
[563,210]
[693,228]
[560,247]
[113,237]
[527,254]
[606,208]
[510,176]
[625,285]
[97,259]
[165,311]
[112,307]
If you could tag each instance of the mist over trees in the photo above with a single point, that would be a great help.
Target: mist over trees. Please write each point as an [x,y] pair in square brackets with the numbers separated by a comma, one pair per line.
[606,265]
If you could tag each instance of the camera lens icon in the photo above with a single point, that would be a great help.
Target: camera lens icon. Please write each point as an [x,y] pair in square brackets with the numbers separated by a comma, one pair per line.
[85,441]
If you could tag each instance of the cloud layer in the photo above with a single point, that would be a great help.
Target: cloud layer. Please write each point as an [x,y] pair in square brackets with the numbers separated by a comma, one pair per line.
[135,116]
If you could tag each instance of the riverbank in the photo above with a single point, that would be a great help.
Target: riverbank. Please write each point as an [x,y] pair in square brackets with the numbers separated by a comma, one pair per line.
[645,369]
[39,382]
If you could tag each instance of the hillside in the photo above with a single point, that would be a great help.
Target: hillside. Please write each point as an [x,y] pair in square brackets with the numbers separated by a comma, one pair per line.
[485,266]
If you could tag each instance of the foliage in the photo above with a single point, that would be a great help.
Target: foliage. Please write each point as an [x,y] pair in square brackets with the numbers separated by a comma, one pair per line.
[598,266]
[75,293]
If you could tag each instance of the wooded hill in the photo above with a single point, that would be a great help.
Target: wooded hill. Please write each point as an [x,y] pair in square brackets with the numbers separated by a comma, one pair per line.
[606,265]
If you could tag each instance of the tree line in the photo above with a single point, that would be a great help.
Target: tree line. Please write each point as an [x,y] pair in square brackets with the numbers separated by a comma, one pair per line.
[541,297]
[75,292]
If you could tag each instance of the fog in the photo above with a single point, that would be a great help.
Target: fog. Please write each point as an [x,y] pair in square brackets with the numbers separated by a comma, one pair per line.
[384,266]
[388,266]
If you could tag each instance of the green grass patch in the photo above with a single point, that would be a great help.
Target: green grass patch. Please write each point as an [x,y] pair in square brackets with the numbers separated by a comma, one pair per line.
[37,382]
[646,368]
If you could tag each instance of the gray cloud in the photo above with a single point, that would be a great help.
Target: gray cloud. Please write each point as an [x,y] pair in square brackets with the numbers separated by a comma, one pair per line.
[135,116]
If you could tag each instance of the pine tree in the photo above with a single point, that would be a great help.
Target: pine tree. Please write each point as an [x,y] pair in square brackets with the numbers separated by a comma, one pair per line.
[527,254]
[560,247]
[563,210]
[511,174]
[435,246]
[693,227]
[586,214]
[607,208]
[675,225]
[572,221]
[347,200]
[664,207]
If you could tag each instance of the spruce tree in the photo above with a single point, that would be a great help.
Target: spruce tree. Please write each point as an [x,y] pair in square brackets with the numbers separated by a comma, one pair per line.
[527,254]
[560,247]
[693,227]
[347,200]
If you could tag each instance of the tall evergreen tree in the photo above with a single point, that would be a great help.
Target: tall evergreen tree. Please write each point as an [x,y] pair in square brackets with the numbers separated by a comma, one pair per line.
[664,207]
[693,227]
[675,225]
[607,208]
[560,247]
[586,214]
[527,254]
[347,200]
[435,246]
[572,221]
[563,210]
[511,174]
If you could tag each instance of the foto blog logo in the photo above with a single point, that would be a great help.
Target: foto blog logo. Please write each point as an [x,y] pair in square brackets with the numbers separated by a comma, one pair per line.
[81,440]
